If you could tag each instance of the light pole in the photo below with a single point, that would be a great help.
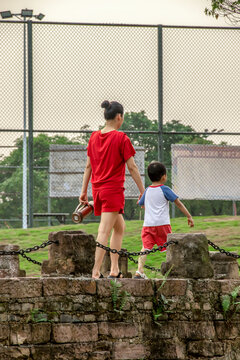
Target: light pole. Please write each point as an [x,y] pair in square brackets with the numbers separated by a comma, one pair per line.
[25,14]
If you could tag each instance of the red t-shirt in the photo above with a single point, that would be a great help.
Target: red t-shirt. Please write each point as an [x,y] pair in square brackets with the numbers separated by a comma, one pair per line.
[108,153]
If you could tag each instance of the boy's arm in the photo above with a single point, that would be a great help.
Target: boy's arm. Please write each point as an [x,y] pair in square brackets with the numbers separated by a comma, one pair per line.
[133,169]
[184,211]
[86,177]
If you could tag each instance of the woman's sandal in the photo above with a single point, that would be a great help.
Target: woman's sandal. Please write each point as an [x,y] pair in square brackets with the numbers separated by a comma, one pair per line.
[119,276]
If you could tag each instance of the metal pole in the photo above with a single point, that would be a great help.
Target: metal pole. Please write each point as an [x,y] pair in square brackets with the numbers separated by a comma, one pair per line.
[30,125]
[234,208]
[160,95]
[49,200]
[24,179]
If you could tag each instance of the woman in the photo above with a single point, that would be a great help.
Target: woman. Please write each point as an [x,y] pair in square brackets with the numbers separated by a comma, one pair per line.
[108,151]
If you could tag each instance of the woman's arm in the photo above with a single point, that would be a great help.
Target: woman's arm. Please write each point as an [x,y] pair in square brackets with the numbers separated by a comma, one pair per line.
[133,169]
[86,177]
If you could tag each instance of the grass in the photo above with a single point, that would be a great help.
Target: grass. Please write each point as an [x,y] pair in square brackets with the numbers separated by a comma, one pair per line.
[222,230]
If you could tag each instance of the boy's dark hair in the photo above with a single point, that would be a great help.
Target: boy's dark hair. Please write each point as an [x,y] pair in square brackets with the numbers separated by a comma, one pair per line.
[156,170]
[111,109]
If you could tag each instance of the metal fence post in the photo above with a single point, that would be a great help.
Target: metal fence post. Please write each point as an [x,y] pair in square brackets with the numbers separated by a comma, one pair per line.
[30,125]
[160,95]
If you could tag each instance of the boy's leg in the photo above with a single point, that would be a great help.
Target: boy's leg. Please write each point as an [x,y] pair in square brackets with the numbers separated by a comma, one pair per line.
[108,220]
[141,262]
[116,243]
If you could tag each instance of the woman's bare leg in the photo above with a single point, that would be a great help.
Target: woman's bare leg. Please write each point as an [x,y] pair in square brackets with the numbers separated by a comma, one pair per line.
[108,220]
[116,243]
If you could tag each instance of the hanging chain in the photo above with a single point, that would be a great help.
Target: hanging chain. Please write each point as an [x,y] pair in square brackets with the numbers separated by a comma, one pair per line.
[28,250]
[228,253]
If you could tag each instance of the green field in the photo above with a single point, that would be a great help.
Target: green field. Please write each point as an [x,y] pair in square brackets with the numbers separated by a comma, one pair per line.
[222,230]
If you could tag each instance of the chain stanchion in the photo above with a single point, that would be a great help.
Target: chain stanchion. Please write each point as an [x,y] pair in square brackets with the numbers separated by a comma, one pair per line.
[28,250]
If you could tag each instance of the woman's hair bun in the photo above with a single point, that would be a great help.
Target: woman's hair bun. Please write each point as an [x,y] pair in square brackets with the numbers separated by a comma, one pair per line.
[105,104]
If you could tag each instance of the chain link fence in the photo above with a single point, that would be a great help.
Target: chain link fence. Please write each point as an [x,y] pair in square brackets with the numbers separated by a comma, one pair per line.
[178,85]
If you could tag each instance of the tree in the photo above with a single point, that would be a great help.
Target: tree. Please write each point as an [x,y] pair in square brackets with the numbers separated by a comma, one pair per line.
[11,177]
[229,9]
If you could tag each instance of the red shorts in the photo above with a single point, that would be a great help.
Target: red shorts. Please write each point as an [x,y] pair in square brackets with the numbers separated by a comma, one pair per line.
[108,200]
[152,235]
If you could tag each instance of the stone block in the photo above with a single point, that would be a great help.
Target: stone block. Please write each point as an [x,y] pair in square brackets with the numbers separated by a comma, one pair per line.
[227,331]
[206,348]
[4,332]
[225,267]
[21,288]
[20,334]
[41,333]
[172,287]
[189,258]
[14,352]
[73,255]
[118,330]
[168,350]
[138,288]
[196,330]
[122,263]
[67,333]
[9,264]
[206,286]
[125,350]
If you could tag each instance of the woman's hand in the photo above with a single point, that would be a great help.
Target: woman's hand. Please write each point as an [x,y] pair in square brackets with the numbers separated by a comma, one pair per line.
[83,199]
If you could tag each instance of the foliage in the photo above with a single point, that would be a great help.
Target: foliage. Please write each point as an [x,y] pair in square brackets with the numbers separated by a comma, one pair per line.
[229,304]
[119,299]
[229,9]
[176,133]
[37,315]
[160,303]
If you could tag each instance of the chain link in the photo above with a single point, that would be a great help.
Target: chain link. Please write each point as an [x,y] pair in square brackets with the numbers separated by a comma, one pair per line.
[228,253]
[28,250]
[130,255]
[139,253]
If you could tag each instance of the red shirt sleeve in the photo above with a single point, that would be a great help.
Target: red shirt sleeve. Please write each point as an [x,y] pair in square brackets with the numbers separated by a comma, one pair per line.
[127,148]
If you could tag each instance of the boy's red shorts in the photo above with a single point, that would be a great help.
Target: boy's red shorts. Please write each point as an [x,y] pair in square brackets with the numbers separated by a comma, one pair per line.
[108,200]
[152,235]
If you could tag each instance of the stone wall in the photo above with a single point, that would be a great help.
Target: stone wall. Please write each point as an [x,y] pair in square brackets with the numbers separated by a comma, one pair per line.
[74,318]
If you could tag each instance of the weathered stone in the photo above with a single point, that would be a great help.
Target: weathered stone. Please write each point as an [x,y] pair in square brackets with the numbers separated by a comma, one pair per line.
[227,331]
[72,255]
[168,350]
[67,333]
[129,351]
[205,286]
[21,288]
[4,332]
[40,333]
[189,258]
[118,330]
[172,287]
[9,264]
[20,334]
[225,267]
[196,330]
[122,263]
[206,348]
[19,353]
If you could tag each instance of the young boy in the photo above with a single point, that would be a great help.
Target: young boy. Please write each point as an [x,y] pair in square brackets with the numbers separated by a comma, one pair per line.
[156,224]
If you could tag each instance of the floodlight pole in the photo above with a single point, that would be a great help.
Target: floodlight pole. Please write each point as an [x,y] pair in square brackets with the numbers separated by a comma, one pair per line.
[24,179]
[27,185]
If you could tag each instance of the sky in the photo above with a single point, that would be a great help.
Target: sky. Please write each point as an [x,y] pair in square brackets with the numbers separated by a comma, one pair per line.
[198,100]
[165,12]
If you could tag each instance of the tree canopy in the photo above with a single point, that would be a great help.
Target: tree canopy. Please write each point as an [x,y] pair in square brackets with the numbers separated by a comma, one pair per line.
[11,166]
[229,9]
